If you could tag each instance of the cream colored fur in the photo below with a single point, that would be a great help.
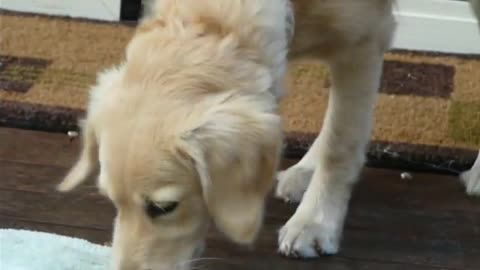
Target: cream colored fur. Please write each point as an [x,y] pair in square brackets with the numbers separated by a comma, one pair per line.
[190,117]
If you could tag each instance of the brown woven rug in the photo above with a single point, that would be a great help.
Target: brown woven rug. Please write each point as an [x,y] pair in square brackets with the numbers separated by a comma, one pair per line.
[428,114]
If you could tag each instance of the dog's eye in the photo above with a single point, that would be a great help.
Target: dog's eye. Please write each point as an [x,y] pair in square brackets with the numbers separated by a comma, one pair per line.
[155,209]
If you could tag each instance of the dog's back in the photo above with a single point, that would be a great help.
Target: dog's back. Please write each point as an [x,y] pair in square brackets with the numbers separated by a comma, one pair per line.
[254,24]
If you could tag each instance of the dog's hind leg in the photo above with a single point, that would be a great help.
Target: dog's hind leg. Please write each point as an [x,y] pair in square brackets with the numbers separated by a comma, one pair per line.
[471,178]
[337,156]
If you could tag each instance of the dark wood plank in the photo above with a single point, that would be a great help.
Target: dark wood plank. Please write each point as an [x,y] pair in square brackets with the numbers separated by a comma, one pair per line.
[36,147]
[79,209]
[424,192]
[240,259]
[32,177]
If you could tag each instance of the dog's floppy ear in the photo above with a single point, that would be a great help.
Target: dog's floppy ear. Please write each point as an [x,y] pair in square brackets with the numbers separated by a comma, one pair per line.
[235,154]
[88,161]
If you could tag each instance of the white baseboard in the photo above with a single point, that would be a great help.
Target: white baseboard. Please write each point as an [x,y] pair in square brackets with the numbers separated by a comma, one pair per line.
[432,25]
[108,10]
[436,25]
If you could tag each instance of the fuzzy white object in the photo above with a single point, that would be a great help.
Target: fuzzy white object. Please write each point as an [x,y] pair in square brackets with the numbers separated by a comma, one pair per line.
[72,134]
[31,250]
[406,176]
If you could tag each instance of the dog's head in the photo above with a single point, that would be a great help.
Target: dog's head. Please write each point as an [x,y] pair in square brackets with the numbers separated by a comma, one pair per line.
[173,161]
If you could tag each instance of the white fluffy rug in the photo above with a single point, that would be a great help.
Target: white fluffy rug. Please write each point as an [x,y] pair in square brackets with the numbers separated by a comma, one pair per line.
[30,250]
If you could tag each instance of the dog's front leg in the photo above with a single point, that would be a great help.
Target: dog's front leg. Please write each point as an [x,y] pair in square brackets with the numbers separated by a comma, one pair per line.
[335,159]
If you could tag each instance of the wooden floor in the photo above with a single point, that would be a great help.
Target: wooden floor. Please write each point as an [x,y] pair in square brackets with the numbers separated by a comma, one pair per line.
[425,223]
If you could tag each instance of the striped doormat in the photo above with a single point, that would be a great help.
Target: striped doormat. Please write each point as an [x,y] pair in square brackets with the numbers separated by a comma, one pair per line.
[427,117]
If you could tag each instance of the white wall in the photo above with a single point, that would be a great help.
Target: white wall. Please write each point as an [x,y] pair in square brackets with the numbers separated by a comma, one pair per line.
[108,10]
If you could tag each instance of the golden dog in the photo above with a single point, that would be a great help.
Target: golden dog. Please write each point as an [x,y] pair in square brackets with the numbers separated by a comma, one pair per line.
[186,129]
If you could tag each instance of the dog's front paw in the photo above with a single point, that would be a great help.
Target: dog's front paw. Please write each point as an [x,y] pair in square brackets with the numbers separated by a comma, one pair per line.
[306,239]
[292,183]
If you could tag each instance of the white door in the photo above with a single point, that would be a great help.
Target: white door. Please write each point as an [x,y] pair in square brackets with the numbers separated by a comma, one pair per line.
[437,25]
